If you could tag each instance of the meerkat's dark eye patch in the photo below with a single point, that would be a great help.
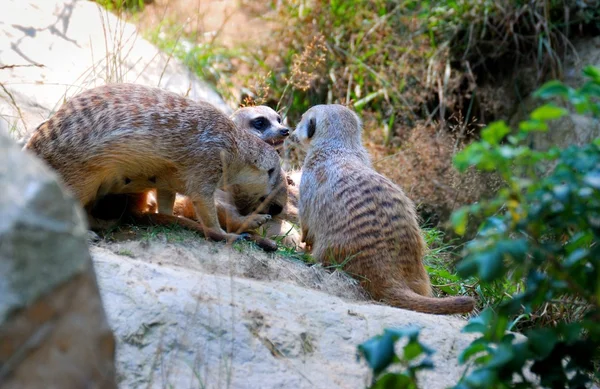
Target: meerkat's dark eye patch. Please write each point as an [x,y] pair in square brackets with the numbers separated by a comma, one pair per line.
[260,123]
[312,126]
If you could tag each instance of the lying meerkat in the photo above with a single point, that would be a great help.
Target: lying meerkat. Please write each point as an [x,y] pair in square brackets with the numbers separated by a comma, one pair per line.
[130,139]
[280,227]
[351,214]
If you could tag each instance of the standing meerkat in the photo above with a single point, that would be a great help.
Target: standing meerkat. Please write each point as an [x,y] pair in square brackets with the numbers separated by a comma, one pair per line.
[352,215]
[130,139]
[236,207]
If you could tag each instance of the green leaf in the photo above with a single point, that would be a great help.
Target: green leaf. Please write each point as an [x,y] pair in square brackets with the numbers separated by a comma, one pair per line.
[394,380]
[474,348]
[542,341]
[467,267]
[552,89]
[469,156]
[481,378]
[480,323]
[533,126]
[593,179]
[490,264]
[378,352]
[459,220]
[495,132]
[412,350]
[591,89]
[515,249]
[548,112]
[410,332]
[575,257]
[501,356]
[592,72]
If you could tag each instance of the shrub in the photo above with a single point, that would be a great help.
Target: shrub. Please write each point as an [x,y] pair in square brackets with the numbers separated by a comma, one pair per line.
[123,5]
[541,234]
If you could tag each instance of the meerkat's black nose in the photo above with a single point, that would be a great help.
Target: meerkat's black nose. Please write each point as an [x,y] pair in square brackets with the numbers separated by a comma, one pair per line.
[284,132]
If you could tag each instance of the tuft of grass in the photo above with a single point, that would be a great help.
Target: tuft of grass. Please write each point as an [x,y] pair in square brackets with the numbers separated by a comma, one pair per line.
[123,5]
[126,253]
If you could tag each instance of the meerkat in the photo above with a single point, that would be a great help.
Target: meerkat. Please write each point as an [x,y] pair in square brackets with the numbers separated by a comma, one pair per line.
[236,209]
[130,139]
[281,227]
[352,215]
[264,122]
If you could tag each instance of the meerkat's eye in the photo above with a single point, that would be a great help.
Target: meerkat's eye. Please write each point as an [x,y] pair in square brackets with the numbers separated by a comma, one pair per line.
[271,171]
[279,119]
[259,123]
[312,126]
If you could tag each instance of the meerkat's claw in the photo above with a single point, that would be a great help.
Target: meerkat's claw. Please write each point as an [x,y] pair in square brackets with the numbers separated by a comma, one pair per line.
[267,245]
[243,236]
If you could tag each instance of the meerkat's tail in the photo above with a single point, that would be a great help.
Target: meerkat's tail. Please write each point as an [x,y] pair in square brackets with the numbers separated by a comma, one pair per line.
[408,299]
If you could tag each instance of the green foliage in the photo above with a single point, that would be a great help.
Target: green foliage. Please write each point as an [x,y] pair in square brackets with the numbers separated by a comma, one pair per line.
[584,99]
[380,353]
[122,5]
[539,238]
[541,232]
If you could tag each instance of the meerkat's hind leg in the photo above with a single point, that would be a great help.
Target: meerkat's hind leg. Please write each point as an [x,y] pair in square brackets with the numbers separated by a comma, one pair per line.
[166,201]
[230,218]
[207,216]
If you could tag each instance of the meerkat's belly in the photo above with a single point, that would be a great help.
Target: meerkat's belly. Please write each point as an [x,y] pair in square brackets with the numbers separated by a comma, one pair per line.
[136,177]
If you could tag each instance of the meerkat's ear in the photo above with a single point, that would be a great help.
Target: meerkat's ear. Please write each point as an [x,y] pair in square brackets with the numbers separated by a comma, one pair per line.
[312,126]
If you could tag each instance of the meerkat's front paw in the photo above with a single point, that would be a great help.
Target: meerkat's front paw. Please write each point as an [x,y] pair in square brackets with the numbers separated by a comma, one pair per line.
[254,221]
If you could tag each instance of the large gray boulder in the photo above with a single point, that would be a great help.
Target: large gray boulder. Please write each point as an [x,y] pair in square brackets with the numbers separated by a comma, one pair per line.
[185,317]
[53,49]
[53,330]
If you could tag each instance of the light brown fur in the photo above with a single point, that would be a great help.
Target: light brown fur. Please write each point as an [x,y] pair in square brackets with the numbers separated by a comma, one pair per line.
[281,227]
[352,215]
[130,139]
[231,209]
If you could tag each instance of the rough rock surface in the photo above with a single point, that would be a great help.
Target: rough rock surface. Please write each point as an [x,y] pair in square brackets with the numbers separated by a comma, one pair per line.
[178,327]
[53,330]
[53,49]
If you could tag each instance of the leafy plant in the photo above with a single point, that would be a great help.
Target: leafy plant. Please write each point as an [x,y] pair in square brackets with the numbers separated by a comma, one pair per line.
[122,5]
[540,232]
[380,353]
[540,236]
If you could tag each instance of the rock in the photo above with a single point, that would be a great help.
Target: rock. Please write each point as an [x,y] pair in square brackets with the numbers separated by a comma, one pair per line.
[53,330]
[57,48]
[177,326]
